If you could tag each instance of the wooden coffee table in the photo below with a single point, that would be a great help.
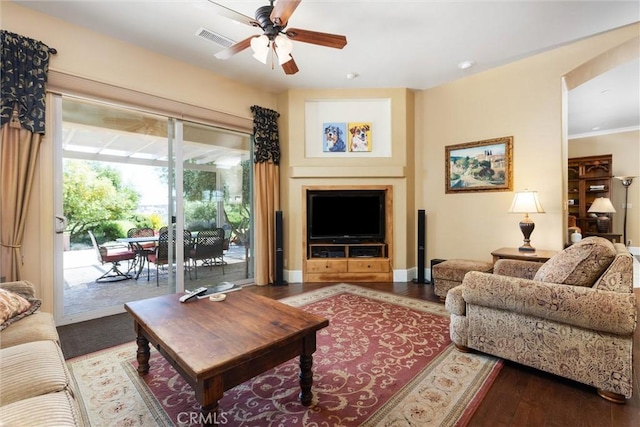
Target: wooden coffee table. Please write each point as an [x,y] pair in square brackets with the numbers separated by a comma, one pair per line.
[218,345]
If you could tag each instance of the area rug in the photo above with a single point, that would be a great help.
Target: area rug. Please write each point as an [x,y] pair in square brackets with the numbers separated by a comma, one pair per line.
[385,360]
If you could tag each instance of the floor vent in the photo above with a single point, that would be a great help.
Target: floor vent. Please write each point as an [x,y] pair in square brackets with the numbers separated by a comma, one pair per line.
[216,38]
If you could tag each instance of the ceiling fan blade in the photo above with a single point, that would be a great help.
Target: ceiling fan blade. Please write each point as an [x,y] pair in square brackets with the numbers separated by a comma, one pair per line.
[232,14]
[323,39]
[282,11]
[290,67]
[236,48]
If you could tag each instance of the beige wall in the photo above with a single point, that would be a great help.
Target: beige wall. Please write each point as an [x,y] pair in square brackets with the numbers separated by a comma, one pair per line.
[298,171]
[625,149]
[524,100]
[84,53]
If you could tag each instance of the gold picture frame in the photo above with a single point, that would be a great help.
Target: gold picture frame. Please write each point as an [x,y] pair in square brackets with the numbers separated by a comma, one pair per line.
[479,166]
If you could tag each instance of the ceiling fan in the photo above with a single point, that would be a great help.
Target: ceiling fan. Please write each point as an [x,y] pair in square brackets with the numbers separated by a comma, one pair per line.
[272,20]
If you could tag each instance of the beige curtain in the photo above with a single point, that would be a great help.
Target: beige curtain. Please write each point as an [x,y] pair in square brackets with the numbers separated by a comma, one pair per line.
[267,202]
[23,70]
[266,192]
[18,156]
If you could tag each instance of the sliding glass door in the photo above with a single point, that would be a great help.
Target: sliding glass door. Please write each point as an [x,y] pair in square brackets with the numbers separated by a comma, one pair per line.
[125,174]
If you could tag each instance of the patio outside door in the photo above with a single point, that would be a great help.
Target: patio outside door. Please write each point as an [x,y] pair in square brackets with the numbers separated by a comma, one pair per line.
[122,169]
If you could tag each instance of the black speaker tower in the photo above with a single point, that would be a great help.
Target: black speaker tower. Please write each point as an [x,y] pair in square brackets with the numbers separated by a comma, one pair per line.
[422,244]
[279,280]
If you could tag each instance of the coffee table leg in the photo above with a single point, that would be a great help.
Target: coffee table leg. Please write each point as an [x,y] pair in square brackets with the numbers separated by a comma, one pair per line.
[208,393]
[142,355]
[306,379]
[210,415]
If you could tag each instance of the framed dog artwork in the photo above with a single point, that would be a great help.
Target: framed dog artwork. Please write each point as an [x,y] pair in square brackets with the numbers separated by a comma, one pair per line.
[334,137]
[479,166]
[359,136]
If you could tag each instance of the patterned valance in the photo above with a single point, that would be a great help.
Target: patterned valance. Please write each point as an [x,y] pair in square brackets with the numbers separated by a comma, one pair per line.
[265,134]
[23,76]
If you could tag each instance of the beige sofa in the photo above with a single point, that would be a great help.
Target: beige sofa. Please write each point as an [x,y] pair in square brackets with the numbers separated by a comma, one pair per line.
[573,316]
[35,385]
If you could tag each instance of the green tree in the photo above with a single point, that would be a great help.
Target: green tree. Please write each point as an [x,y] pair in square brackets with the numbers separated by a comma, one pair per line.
[200,205]
[93,195]
[198,185]
[238,216]
[486,172]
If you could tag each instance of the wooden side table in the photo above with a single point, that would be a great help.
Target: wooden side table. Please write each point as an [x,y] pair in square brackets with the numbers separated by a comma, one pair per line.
[539,255]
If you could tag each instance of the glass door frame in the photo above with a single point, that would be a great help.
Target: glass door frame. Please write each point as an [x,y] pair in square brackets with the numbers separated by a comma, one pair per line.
[175,205]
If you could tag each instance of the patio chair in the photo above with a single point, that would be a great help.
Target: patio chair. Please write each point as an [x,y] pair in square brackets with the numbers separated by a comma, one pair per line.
[114,255]
[143,249]
[161,255]
[143,232]
[209,247]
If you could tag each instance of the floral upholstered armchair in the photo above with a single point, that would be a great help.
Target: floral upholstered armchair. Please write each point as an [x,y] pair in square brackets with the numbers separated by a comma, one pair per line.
[573,316]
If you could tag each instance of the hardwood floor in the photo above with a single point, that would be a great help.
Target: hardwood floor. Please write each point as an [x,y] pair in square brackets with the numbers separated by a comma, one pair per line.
[520,396]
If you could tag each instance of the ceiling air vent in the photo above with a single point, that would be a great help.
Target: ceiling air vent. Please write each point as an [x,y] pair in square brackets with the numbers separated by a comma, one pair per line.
[214,37]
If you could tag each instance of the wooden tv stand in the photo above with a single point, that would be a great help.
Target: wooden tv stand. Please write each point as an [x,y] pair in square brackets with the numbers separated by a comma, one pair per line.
[349,262]
[352,262]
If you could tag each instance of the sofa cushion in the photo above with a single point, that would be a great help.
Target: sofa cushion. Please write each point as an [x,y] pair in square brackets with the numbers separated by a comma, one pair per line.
[581,264]
[40,326]
[14,307]
[32,369]
[52,409]
[23,287]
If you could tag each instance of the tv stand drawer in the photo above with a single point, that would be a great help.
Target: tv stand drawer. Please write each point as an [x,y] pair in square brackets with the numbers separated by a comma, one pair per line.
[326,265]
[368,265]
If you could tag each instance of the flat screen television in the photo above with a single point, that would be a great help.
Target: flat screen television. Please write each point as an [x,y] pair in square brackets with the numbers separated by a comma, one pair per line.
[345,216]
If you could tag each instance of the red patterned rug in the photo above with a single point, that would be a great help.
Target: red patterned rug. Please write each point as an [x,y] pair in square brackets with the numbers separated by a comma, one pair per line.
[384,360]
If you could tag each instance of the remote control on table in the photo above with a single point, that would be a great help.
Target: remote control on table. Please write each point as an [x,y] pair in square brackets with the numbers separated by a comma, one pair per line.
[193,294]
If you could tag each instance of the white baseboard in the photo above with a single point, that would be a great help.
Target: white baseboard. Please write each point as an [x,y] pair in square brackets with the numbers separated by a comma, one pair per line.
[293,276]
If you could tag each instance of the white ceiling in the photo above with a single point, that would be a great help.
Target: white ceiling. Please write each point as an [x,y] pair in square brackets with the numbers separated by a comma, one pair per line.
[415,44]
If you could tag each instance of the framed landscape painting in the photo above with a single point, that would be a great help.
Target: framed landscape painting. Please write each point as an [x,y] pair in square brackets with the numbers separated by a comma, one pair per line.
[479,166]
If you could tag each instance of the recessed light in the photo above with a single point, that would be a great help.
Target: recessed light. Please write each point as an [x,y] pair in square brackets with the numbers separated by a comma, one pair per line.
[466,64]
[352,76]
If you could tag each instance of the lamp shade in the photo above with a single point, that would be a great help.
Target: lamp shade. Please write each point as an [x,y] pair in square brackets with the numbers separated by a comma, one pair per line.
[526,202]
[260,47]
[283,44]
[283,48]
[602,205]
[626,180]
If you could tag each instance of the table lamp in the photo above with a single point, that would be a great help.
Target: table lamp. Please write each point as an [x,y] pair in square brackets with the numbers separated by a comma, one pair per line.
[603,206]
[526,202]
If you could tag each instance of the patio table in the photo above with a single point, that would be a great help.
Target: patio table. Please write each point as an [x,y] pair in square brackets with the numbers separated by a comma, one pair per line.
[142,253]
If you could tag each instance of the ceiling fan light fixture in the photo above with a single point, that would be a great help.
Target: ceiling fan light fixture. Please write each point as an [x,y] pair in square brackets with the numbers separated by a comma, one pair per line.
[260,47]
[283,45]
[283,48]
[283,59]
[262,57]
